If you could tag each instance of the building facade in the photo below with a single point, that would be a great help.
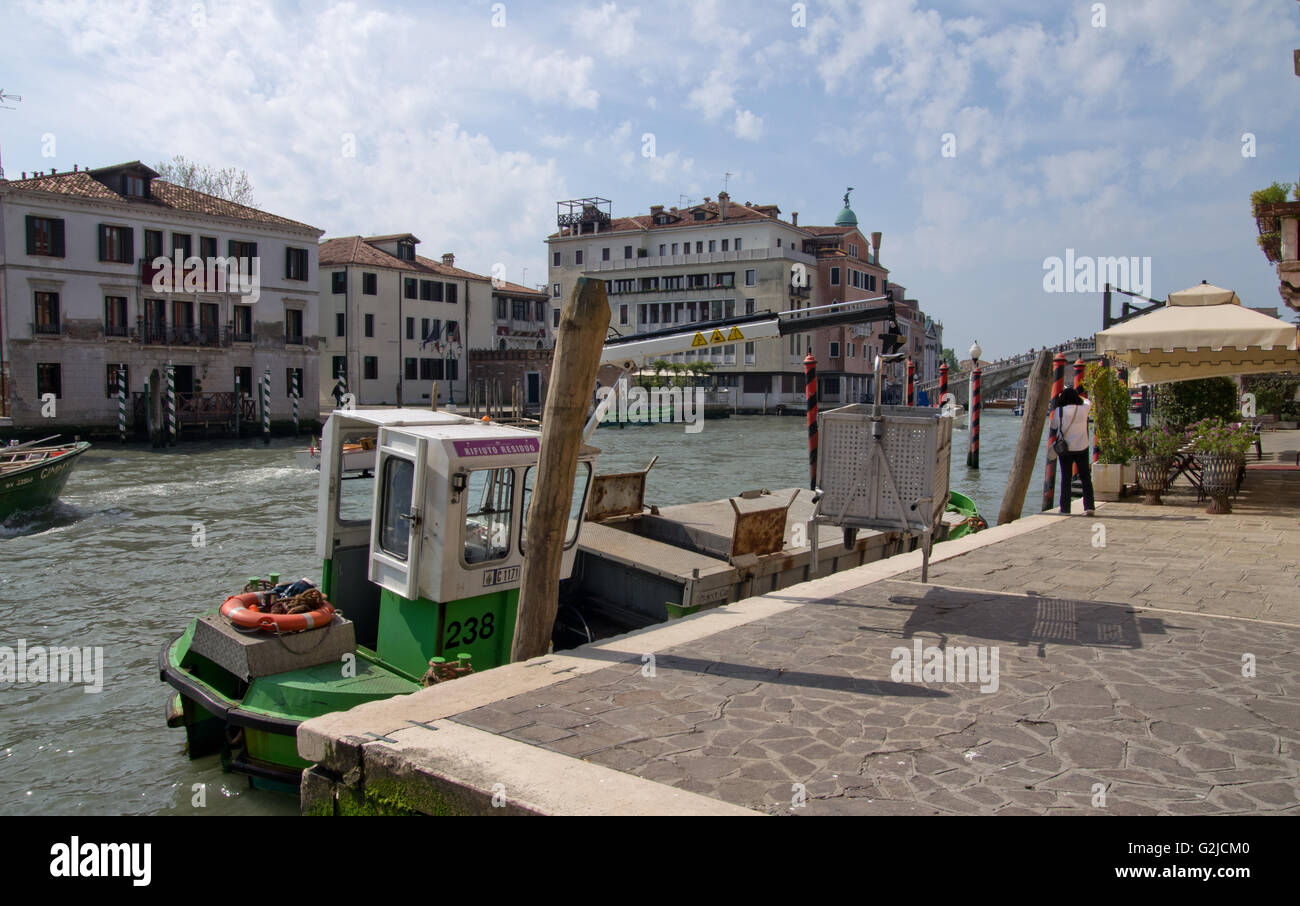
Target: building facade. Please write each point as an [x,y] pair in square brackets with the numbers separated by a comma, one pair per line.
[394,323]
[519,319]
[85,294]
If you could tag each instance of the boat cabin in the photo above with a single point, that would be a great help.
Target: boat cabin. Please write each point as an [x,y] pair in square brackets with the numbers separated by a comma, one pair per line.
[425,554]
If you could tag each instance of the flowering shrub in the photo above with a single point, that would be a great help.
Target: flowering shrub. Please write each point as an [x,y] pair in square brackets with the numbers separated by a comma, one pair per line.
[1216,436]
[1157,442]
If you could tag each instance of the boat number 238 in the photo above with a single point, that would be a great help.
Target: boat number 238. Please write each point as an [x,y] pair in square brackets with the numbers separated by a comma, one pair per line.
[474,628]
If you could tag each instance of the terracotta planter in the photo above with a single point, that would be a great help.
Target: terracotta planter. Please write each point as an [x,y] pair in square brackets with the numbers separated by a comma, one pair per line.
[1107,480]
[1153,478]
[1218,478]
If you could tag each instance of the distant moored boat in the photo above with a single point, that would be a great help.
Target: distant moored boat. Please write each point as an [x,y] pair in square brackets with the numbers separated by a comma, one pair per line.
[33,475]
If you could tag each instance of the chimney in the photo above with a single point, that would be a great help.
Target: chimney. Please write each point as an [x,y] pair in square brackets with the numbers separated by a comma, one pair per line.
[875,246]
[724,203]
[707,199]
[74,167]
[53,171]
[656,209]
[794,218]
[448,259]
[24,177]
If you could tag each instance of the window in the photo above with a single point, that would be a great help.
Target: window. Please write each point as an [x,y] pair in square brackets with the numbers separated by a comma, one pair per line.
[725,245]
[424,331]
[713,245]
[518,310]
[830,386]
[431,290]
[371,364]
[727,280]
[674,248]
[749,354]
[555,259]
[835,350]
[450,294]
[698,281]
[370,325]
[207,247]
[622,314]
[555,290]
[114,372]
[700,215]
[47,313]
[395,515]
[662,248]
[555,319]
[295,264]
[489,506]
[339,367]
[778,241]
[577,507]
[410,288]
[370,285]
[293,326]
[238,249]
[737,243]
[412,369]
[132,185]
[853,250]
[835,276]
[749,306]
[410,328]
[339,282]
[430,369]
[751,277]
[604,254]
[577,257]
[116,244]
[183,243]
[340,324]
[501,309]
[49,379]
[293,383]
[699,248]
[244,380]
[406,250]
[540,311]
[45,236]
[627,251]
[244,323]
[209,331]
[153,244]
[182,318]
[115,317]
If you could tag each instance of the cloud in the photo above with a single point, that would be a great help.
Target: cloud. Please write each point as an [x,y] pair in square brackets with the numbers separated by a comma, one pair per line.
[748,126]
[606,30]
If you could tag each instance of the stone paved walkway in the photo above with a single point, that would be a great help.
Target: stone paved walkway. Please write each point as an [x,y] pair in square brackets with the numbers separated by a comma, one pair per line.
[1119,687]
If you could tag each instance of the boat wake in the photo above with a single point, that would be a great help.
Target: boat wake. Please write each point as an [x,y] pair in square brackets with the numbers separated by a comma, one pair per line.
[54,517]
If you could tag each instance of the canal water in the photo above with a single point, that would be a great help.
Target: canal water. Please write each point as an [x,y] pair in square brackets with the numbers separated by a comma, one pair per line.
[143,540]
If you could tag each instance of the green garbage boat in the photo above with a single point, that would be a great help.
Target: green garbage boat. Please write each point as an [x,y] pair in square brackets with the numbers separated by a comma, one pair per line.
[422,565]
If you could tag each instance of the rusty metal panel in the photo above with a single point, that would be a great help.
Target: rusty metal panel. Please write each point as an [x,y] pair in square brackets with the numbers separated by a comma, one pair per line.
[618,494]
[759,532]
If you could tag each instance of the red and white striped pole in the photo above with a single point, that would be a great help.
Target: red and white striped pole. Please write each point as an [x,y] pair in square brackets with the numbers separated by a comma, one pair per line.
[810,400]
[973,454]
[943,382]
[1049,480]
[911,382]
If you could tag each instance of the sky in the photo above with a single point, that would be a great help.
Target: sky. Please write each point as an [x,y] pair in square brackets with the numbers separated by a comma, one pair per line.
[983,139]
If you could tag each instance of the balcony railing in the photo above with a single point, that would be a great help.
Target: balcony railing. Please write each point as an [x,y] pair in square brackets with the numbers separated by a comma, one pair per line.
[48,330]
[210,336]
[700,258]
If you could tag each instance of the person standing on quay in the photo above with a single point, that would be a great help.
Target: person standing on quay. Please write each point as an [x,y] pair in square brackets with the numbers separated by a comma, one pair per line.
[1070,419]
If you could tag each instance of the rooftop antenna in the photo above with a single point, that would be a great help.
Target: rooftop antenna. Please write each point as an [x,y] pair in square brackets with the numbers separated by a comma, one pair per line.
[523,280]
[726,178]
[6,97]
[685,201]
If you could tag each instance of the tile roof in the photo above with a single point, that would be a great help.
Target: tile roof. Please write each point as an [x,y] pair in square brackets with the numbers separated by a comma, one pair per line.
[83,184]
[515,289]
[358,250]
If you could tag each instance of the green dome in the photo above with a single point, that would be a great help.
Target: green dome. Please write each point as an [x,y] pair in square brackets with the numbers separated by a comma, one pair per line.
[846,217]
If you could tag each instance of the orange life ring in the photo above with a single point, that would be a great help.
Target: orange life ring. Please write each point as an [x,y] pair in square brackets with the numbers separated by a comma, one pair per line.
[244,611]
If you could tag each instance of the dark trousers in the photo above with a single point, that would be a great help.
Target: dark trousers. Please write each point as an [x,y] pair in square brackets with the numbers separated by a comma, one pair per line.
[1067,463]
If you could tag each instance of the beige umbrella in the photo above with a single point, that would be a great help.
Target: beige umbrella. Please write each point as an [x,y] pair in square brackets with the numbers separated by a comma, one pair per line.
[1203,332]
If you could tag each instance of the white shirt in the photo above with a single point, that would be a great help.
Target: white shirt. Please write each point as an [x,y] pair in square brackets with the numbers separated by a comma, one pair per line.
[1075,419]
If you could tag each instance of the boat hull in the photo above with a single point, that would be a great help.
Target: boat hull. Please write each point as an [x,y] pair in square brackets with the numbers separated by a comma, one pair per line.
[39,485]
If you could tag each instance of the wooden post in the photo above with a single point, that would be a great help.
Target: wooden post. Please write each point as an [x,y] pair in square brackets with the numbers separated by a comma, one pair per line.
[1037,399]
[579,339]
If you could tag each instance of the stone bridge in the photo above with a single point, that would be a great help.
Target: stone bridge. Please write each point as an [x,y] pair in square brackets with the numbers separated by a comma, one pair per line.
[996,377]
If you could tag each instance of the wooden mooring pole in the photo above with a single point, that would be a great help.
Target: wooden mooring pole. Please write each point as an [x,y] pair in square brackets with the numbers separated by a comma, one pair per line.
[1037,399]
[584,321]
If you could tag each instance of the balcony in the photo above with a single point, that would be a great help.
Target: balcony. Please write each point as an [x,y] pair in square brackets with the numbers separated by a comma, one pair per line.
[48,330]
[208,336]
[702,258]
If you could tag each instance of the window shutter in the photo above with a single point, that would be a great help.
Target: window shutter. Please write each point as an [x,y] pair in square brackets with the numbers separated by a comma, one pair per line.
[57,238]
[288,263]
[31,235]
[103,242]
[230,248]
[128,244]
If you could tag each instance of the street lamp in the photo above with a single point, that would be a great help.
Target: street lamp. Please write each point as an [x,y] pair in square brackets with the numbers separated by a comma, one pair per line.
[975,353]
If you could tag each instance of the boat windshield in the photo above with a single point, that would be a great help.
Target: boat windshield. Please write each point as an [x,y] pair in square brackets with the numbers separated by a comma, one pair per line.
[489,510]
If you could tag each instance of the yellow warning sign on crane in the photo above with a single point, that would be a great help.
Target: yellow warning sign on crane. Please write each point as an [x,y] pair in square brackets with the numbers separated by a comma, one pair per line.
[735,334]
[717,337]
[699,341]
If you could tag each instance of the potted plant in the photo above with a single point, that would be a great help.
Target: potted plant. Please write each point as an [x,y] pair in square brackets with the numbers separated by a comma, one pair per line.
[1154,449]
[1221,454]
[1269,226]
[1110,403]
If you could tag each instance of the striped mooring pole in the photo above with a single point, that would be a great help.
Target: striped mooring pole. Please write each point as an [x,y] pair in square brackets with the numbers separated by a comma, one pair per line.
[239,403]
[973,454]
[1049,480]
[943,382]
[121,402]
[171,402]
[266,407]
[295,402]
[911,382]
[810,399]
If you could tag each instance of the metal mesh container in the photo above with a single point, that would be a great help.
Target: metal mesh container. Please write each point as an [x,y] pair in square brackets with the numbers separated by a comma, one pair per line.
[857,492]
